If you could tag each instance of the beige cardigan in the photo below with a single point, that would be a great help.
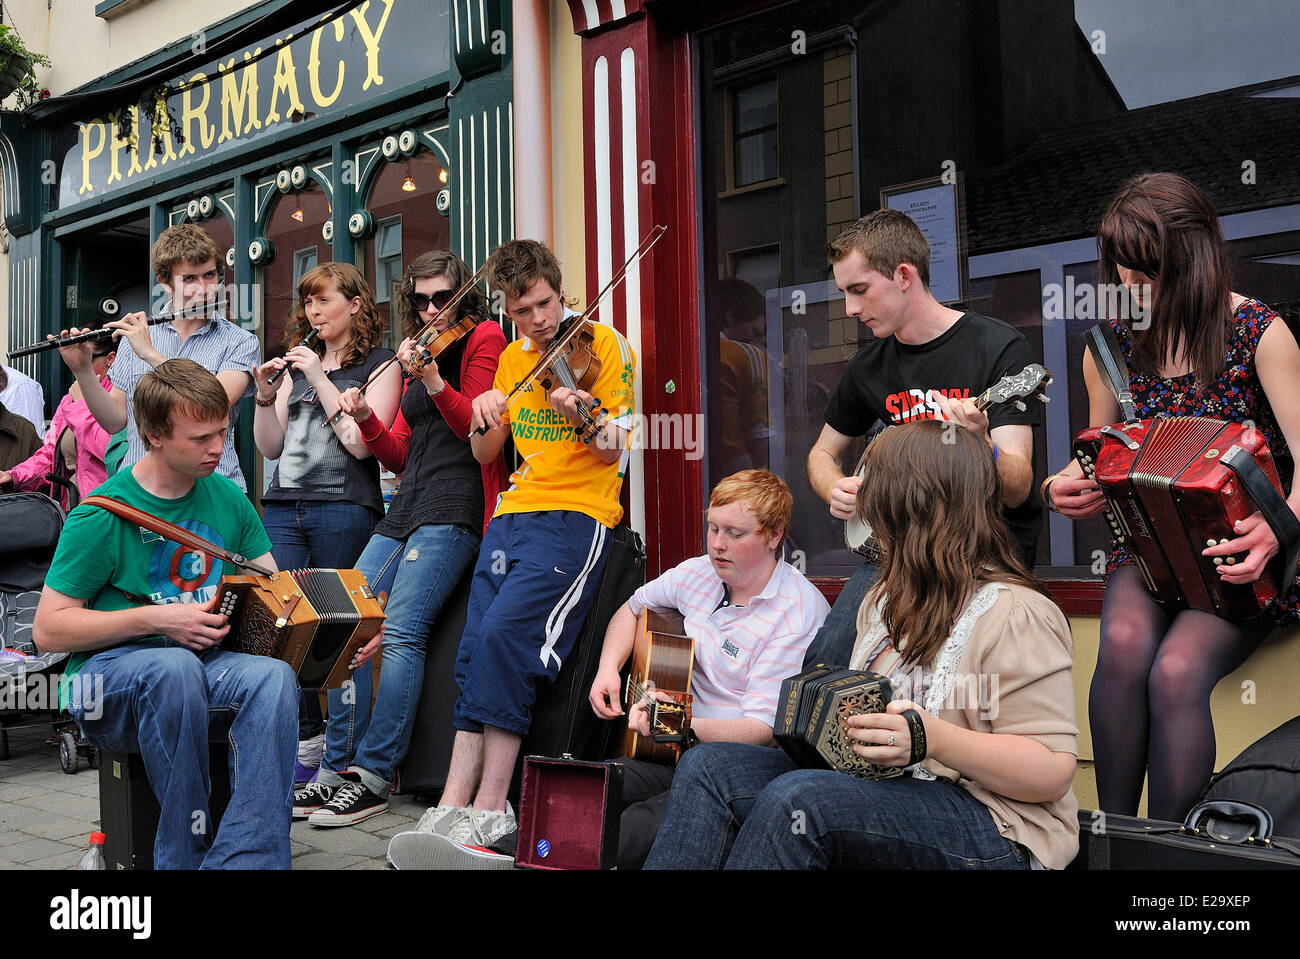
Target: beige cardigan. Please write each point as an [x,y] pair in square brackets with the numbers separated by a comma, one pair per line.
[1022,643]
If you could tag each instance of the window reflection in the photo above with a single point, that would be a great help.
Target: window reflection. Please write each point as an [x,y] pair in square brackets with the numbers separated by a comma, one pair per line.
[1043,110]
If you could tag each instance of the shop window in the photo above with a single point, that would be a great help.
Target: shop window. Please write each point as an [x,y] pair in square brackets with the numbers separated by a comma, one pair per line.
[1040,141]
[388,257]
[403,202]
[294,229]
[754,140]
[303,261]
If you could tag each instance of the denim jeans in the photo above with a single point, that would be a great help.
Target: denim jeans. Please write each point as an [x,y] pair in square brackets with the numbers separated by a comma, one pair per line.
[164,701]
[419,574]
[737,806]
[314,533]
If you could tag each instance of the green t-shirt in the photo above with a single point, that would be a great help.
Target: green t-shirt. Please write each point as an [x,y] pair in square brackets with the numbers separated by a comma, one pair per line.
[100,556]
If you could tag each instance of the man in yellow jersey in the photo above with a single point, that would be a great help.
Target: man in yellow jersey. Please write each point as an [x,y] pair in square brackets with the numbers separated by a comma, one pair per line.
[541,559]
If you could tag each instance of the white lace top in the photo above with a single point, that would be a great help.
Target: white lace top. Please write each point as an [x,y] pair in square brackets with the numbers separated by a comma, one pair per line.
[931,686]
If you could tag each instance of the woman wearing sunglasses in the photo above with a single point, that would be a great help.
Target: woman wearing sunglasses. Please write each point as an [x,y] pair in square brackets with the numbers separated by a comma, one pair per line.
[421,549]
[1202,350]
[74,445]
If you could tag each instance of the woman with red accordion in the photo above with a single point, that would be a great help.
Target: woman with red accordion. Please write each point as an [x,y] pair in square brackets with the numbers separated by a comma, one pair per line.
[1200,350]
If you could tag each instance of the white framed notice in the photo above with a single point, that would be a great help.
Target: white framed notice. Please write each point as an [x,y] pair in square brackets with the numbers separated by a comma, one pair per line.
[938,207]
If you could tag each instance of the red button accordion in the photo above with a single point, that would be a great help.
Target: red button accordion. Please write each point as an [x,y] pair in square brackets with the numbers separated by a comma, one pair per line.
[1175,485]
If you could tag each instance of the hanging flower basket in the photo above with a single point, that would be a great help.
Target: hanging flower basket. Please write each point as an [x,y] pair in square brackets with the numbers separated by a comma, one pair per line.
[13,68]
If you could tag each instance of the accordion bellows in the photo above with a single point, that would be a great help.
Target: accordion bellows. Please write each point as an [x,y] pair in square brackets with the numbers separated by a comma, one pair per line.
[812,713]
[313,619]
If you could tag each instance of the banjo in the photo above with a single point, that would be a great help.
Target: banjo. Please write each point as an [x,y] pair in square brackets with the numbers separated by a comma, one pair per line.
[1029,383]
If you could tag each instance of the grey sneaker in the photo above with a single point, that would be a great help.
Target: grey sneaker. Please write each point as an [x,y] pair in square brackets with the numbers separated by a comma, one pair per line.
[440,819]
[483,827]
[424,848]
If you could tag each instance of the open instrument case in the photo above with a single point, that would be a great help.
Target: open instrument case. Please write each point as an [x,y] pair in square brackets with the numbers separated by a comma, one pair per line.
[568,814]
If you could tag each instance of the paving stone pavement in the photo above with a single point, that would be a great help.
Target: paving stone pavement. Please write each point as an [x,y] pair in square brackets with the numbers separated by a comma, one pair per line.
[47,815]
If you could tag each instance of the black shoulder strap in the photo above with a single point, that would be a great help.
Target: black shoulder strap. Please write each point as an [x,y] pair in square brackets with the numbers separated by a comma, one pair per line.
[1270,503]
[1110,364]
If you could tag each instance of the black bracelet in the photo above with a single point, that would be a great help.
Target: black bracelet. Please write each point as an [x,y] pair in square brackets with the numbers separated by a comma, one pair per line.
[916,729]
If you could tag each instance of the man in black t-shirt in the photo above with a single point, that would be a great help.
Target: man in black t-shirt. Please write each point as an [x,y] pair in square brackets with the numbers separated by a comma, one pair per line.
[926,362]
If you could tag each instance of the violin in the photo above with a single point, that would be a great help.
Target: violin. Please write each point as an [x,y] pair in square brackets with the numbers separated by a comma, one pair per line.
[431,343]
[583,358]
[427,332]
[575,366]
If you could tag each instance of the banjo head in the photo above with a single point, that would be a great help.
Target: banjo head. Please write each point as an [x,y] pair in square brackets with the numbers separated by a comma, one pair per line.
[857,532]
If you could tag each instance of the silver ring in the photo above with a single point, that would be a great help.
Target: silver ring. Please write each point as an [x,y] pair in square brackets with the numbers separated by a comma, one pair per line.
[891,739]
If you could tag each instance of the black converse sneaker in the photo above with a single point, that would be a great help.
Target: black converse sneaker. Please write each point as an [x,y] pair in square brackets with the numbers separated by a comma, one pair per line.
[351,803]
[309,798]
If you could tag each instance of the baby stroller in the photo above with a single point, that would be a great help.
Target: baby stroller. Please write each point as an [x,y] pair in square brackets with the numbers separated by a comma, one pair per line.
[31,524]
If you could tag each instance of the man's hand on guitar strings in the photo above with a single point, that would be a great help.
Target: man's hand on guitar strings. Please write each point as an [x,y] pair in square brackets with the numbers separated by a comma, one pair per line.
[607,695]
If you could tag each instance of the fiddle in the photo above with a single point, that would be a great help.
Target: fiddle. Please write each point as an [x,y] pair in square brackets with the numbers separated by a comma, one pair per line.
[432,344]
[559,349]
[577,367]
[429,330]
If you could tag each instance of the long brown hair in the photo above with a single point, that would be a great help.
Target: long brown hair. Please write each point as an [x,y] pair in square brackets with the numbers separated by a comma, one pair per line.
[931,495]
[367,325]
[440,263]
[1163,225]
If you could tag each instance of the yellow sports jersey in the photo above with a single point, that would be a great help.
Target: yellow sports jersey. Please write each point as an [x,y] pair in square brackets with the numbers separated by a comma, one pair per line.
[558,471]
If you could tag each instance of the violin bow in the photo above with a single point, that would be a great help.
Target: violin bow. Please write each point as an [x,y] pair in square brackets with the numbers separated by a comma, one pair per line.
[451,304]
[557,344]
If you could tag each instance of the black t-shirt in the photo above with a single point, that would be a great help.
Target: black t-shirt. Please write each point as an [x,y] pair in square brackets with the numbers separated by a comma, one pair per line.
[314,465]
[893,382]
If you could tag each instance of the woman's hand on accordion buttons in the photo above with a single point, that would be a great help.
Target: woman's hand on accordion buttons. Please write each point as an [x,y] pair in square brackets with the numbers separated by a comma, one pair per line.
[362,655]
[1255,538]
[194,625]
[1077,498]
[883,738]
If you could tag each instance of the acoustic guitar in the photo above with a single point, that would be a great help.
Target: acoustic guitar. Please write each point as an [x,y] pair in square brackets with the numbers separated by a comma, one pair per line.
[662,659]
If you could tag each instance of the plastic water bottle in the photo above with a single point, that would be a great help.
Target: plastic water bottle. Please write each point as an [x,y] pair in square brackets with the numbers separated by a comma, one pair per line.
[94,856]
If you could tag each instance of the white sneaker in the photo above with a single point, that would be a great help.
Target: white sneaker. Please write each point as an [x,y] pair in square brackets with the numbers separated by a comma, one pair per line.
[440,819]
[462,846]
[483,827]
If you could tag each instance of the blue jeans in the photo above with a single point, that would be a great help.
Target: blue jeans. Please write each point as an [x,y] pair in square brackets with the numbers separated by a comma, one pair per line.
[834,641]
[164,701]
[314,533]
[419,574]
[749,807]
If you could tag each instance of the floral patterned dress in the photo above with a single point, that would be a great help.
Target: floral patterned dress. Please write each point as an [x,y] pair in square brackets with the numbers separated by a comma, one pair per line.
[1235,396]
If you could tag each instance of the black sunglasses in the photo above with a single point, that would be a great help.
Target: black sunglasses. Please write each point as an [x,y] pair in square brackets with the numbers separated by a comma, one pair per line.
[96,356]
[438,300]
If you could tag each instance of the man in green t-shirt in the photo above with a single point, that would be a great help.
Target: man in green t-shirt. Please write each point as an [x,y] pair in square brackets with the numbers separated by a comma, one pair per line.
[151,678]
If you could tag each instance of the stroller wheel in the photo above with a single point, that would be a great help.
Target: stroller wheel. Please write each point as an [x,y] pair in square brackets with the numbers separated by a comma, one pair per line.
[68,752]
[92,757]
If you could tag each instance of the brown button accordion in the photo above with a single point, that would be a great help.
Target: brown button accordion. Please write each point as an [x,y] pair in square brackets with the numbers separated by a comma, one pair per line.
[1175,485]
[313,619]
[811,718]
